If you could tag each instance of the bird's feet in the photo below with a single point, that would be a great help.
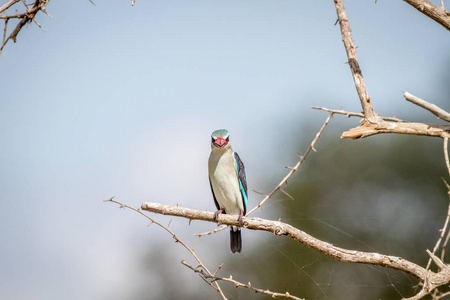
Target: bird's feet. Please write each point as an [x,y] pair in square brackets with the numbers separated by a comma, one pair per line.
[217,213]
[241,214]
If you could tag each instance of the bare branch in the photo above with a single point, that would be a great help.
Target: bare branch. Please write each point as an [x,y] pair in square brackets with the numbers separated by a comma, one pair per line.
[337,253]
[353,114]
[446,159]
[239,284]
[444,228]
[375,124]
[397,127]
[439,14]
[295,168]
[27,16]
[366,103]
[434,109]
[8,5]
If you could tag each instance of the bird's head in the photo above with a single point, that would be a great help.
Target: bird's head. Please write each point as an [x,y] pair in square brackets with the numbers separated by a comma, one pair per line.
[220,139]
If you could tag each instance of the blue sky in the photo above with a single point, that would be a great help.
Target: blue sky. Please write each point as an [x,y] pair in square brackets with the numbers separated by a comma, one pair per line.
[114,100]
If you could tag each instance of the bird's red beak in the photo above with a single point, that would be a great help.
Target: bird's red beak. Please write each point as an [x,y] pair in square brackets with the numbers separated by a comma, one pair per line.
[220,142]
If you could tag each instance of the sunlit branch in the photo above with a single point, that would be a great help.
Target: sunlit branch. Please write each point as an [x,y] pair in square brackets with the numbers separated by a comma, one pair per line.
[439,14]
[24,18]
[279,228]
[434,109]
[346,32]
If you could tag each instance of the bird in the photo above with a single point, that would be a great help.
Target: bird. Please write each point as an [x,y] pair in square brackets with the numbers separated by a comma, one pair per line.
[228,183]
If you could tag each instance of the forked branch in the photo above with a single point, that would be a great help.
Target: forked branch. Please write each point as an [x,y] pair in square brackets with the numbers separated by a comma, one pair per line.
[27,16]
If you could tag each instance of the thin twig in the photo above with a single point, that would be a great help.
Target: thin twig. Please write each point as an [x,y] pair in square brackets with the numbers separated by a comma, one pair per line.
[8,5]
[215,278]
[447,163]
[296,167]
[444,228]
[441,236]
[217,286]
[25,17]
[434,109]
[353,114]
[444,245]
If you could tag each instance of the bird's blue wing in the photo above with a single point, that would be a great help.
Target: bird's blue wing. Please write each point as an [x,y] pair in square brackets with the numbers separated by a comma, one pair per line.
[240,169]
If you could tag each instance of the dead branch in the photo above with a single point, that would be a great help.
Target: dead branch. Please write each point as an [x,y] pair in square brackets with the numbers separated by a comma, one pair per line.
[24,18]
[369,113]
[413,128]
[353,114]
[209,278]
[439,14]
[429,279]
[237,284]
[372,124]
[434,109]
[8,5]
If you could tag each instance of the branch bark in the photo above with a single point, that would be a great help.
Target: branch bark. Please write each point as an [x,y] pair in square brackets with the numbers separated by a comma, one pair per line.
[27,16]
[366,103]
[429,278]
[397,127]
[434,109]
[8,5]
[439,14]
[372,124]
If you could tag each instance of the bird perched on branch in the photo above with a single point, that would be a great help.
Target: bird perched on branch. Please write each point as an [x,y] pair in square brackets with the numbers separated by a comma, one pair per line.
[228,183]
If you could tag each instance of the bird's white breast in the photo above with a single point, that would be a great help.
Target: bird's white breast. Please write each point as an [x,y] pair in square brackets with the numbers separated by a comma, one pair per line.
[224,181]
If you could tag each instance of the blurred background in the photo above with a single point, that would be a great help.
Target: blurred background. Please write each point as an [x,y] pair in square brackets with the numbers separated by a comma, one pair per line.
[115,100]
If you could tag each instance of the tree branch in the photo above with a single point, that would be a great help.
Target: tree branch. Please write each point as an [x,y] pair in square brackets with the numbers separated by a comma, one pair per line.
[209,278]
[8,5]
[237,284]
[369,113]
[434,109]
[353,114]
[431,279]
[27,16]
[439,14]
[397,127]
[372,124]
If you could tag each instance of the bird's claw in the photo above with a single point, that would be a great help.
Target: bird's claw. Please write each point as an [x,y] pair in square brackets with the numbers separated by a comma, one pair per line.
[217,213]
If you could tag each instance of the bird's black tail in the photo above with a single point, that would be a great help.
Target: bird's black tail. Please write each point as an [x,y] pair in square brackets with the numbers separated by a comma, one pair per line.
[235,240]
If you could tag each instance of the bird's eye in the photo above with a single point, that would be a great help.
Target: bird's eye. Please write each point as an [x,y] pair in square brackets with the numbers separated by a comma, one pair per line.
[227,139]
[212,139]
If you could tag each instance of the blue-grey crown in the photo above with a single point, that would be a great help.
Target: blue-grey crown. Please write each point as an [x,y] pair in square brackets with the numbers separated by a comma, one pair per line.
[223,133]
